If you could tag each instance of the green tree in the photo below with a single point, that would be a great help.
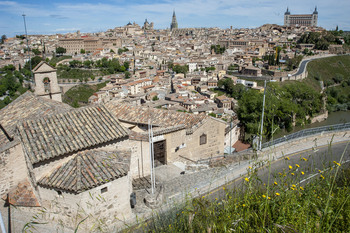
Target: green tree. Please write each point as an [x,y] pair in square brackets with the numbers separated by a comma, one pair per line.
[3,39]
[155,98]
[127,74]
[36,52]
[60,50]
[82,51]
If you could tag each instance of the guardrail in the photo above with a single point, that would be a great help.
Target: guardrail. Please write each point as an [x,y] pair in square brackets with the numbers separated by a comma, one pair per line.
[307,132]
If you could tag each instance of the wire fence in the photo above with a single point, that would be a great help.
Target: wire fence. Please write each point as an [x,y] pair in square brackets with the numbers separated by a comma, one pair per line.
[307,132]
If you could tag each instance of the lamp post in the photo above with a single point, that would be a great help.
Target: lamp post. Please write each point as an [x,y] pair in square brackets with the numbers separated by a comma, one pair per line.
[262,117]
[30,62]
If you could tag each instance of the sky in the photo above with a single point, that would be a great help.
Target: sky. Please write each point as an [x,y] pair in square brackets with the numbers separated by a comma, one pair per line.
[53,16]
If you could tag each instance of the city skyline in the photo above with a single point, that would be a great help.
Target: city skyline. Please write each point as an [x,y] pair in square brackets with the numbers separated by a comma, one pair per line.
[90,16]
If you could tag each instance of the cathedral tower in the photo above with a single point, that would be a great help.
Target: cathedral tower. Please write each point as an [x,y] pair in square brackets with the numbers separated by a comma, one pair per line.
[173,24]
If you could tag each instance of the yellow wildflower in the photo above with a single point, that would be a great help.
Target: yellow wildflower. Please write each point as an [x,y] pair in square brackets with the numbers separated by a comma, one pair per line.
[302,173]
[322,177]
[293,185]
[280,173]
[292,174]
[292,188]
[287,158]
[243,205]
[319,171]
[223,188]
[250,167]
[277,194]
[301,188]
[297,165]
[269,198]
[290,167]
[263,196]
[246,179]
[305,159]
[275,183]
[336,163]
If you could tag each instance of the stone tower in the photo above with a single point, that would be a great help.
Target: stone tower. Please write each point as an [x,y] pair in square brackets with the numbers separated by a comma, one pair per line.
[315,17]
[46,84]
[286,17]
[173,24]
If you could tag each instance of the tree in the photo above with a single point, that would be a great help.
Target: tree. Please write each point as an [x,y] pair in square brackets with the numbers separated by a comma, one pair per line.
[36,52]
[3,39]
[82,51]
[155,98]
[127,74]
[34,61]
[61,50]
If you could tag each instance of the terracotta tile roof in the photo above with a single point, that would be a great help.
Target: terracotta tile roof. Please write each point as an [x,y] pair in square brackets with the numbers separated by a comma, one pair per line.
[27,106]
[87,170]
[23,195]
[68,132]
[160,117]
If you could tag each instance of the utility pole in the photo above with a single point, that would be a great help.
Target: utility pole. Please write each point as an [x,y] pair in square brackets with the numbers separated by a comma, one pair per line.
[262,117]
[28,50]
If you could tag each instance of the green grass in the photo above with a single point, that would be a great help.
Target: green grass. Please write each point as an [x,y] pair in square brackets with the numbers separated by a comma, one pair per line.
[281,205]
[326,68]
[79,95]
[55,59]
[335,74]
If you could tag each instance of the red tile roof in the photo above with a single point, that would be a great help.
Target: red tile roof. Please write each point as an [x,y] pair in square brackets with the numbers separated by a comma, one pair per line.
[23,195]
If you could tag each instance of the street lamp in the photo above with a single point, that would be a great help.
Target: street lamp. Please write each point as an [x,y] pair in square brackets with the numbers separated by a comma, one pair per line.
[30,62]
[262,117]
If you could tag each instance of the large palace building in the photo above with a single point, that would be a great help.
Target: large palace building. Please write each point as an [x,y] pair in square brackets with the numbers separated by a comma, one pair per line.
[301,20]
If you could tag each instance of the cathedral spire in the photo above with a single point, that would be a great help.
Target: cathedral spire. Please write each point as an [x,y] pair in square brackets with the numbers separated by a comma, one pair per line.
[173,24]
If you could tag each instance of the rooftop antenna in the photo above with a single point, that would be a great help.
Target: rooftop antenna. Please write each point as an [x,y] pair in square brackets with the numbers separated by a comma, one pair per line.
[28,49]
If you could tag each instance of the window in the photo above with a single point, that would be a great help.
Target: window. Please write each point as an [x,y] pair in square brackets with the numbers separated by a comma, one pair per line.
[103,190]
[203,139]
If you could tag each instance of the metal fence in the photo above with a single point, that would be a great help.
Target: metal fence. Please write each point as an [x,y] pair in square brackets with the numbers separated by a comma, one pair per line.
[307,132]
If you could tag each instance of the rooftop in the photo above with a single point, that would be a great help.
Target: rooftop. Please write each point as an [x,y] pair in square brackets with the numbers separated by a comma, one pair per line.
[87,170]
[49,137]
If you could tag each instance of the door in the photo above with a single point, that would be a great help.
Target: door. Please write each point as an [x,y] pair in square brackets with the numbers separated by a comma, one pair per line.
[159,153]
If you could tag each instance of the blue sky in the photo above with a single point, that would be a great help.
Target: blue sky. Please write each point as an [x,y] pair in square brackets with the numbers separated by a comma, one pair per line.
[52,16]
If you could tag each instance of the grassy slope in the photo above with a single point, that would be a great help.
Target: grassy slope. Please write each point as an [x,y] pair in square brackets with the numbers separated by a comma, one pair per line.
[326,68]
[80,94]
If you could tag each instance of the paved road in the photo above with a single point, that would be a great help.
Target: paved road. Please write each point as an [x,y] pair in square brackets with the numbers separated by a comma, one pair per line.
[317,159]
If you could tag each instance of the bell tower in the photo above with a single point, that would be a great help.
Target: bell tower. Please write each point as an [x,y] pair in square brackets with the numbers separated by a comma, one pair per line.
[46,84]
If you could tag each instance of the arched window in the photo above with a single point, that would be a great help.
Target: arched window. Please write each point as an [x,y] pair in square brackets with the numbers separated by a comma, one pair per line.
[47,86]
[203,139]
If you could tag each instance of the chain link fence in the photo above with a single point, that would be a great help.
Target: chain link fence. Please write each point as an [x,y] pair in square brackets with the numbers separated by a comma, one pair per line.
[307,132]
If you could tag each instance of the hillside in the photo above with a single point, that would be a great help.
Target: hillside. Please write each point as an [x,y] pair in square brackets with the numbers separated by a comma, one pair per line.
[335,74]
[79,95]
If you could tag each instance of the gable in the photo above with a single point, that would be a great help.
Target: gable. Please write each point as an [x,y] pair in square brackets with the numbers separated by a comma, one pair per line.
[43,67]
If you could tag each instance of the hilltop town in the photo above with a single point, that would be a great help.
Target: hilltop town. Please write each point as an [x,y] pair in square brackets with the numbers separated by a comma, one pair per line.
[70,162]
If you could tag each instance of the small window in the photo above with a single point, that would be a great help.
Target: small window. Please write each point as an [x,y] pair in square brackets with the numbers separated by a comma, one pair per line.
[203,139]
[59,192]
[103,190]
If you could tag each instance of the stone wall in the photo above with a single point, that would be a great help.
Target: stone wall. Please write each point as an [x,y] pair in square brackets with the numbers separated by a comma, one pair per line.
[179,144]
[13,168]
[101,209]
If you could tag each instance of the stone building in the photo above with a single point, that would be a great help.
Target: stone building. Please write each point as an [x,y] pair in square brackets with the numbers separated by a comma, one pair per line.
[308,20]
[66,163]
[178,136]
